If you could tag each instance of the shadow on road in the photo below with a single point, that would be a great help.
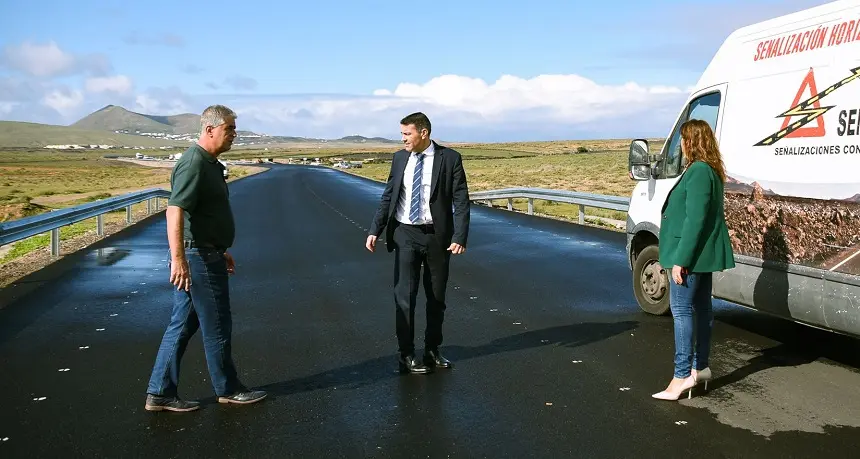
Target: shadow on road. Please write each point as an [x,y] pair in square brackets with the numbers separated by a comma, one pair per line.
[797,345]
[382,368]
[783,355]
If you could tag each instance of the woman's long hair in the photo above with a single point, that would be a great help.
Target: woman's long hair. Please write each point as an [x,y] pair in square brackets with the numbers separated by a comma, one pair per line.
[702,146]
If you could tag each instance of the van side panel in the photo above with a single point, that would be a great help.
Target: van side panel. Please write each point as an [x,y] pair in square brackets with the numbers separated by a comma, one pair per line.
[789,292]
[791,145]
[842,303]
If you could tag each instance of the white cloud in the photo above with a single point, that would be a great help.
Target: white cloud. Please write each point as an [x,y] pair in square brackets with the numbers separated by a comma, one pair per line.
[240,83]
[119,84]
[7,107]
[166,39]
[192,69]
[38,60]
[544,107]
[48,60]
[565,98]
[64,101]
[163,101]
[463,108]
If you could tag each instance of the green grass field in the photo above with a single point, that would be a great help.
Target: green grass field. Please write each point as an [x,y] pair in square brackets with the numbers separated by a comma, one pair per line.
[23,182]
[602,172]
[38,180]
[34,182]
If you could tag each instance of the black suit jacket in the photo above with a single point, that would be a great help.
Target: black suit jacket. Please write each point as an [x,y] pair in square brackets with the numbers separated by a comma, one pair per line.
[449,198]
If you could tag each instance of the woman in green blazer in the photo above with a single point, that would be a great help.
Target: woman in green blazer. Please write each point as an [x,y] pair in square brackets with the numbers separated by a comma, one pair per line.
[694,241]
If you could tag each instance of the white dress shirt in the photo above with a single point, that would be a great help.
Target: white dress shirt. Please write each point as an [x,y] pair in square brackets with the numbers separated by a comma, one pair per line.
[405,200]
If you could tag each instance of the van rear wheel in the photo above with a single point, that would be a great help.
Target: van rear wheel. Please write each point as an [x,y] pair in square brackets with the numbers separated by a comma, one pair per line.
[651,282]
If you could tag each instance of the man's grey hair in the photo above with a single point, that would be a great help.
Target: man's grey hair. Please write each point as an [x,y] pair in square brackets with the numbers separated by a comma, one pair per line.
[215,115]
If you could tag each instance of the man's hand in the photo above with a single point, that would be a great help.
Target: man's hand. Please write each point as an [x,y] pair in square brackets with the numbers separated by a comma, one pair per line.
[456,249]
[678,274]
[231,263]
[180,275]
[371,243]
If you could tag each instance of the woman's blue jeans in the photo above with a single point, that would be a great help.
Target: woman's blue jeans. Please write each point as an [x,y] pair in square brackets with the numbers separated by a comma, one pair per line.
[693,314]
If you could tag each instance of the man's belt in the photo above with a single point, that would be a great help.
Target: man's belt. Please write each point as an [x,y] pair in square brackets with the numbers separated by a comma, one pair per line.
[424,228]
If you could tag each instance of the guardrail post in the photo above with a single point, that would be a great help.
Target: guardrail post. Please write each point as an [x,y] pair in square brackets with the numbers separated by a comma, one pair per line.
[157,204]
[128,214]
[55,242]
[148,206]
[581,214]
[100,225]
[489,203]
[531,206]
[511,204]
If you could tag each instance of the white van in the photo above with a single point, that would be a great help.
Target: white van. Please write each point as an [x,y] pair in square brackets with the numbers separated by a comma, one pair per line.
[783,97]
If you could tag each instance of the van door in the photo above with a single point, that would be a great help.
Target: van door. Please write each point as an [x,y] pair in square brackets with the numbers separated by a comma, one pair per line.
[705,105]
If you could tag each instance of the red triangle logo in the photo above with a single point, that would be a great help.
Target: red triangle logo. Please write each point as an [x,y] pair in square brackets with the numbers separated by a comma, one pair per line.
[810,131]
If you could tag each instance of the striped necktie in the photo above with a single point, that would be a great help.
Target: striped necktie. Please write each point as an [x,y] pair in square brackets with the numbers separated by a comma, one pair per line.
[415,205]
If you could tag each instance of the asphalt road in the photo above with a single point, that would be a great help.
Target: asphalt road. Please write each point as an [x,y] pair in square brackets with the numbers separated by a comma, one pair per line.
[848,261]
[552,357]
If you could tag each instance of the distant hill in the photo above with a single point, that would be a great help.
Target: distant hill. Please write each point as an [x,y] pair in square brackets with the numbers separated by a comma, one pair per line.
[14,134]
[185,126]
[114,118]
[362,139]
[736,186]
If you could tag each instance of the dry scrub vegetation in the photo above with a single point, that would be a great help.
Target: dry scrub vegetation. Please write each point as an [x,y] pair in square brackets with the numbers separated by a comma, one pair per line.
[564,165]
[36,181]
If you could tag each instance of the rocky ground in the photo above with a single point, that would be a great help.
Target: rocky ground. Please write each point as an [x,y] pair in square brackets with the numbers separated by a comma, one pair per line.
[791,230]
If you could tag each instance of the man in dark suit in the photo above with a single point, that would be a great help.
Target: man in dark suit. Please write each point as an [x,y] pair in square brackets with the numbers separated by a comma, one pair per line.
[424,211]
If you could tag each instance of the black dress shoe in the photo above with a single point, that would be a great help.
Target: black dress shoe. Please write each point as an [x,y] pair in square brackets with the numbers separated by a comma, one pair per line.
[409,364]
[433,358]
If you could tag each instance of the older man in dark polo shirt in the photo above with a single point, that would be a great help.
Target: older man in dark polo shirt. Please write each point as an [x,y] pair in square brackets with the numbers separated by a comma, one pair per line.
[200,229]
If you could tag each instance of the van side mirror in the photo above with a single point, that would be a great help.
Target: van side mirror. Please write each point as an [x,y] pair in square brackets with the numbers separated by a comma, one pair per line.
[639,161]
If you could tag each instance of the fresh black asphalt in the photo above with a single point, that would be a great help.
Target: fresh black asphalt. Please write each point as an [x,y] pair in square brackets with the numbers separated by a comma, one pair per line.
[552,357]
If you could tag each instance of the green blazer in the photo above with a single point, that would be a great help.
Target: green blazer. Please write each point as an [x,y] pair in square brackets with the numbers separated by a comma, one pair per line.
[693,232]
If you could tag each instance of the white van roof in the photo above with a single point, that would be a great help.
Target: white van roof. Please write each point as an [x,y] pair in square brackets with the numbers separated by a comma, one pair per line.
[735,58]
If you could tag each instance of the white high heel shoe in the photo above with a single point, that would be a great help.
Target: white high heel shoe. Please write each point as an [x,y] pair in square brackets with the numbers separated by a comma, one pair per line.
[686,386]
[702,375]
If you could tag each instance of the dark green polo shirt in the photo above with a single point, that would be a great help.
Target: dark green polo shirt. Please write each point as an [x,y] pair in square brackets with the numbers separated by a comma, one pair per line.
[198,186]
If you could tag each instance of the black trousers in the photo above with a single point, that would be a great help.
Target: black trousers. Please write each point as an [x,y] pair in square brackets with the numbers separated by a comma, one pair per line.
[417,247]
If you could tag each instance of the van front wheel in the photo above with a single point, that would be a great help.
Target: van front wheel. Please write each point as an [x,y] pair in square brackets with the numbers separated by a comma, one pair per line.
[651,282]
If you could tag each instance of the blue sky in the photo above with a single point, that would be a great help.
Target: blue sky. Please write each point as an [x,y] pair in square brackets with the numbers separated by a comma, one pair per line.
[482,70]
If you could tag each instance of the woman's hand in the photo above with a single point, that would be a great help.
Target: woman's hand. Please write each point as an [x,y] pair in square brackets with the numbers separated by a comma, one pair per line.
[678,274]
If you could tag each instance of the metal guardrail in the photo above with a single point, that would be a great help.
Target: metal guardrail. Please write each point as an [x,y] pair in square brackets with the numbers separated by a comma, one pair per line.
[584,200]
[23,228]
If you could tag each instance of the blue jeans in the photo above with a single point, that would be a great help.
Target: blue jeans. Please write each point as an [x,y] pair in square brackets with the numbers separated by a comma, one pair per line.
[693,314]
[207,307]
